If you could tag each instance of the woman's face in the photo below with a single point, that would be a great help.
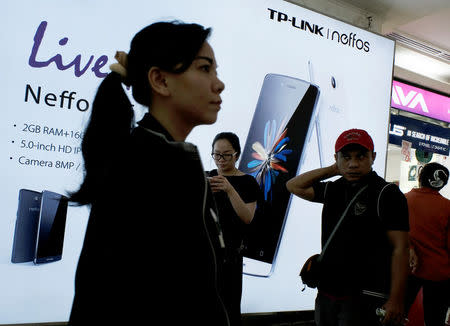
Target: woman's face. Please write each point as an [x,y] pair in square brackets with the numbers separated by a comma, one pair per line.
[226,155]
[196,92]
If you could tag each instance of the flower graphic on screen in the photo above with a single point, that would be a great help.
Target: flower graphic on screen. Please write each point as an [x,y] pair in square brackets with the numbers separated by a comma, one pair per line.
[268,159]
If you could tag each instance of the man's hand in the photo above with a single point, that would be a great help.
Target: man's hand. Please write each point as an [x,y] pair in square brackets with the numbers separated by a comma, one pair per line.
[400,260]
[301,185]
[413,260]
[394,313]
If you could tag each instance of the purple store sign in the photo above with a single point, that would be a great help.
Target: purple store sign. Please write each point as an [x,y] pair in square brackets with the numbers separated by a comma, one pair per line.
[420,101]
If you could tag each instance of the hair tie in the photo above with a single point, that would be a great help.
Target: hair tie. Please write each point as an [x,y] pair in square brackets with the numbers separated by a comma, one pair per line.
[121,66]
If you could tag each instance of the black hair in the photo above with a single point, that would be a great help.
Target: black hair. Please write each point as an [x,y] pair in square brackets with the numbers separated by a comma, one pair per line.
[170,46]
[232,138]
[434,176]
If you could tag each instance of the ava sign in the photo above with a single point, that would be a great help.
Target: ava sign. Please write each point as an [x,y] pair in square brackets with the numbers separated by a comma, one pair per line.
[413,100]
[420,101]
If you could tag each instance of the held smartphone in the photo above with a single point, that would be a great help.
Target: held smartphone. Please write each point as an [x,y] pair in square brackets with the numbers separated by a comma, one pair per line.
[273,153]
[27,220]
[51,227]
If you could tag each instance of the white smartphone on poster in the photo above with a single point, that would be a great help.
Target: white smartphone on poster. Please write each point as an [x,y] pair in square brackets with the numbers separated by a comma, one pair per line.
[333,117]
[273,153]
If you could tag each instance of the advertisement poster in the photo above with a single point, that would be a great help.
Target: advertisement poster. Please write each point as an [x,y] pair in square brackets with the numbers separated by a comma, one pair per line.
[55,54]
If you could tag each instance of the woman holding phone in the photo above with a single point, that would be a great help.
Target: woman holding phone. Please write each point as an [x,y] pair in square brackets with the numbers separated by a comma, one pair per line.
[236,195]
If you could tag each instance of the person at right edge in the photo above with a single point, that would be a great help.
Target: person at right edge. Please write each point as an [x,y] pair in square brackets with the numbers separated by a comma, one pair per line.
[430,244]
[366,264]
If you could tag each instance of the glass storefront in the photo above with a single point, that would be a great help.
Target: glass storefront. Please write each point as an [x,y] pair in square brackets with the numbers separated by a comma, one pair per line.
[419,133]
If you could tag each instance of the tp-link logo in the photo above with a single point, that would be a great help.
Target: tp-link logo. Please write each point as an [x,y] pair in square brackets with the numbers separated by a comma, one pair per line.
[411,100]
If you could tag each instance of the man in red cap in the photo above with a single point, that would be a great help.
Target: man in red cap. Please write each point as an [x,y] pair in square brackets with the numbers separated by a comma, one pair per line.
[365,265]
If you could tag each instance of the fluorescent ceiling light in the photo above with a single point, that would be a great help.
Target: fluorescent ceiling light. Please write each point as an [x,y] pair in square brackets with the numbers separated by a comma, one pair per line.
[421,64]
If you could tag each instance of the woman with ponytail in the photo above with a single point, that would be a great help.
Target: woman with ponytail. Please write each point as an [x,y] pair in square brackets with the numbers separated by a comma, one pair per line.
[152,250]
[429,219]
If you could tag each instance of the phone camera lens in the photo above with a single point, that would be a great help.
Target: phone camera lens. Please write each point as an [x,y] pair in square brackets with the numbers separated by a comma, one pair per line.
[333,82]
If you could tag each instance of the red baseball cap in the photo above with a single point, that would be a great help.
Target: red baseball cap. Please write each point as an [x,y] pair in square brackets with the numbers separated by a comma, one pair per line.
[354,136]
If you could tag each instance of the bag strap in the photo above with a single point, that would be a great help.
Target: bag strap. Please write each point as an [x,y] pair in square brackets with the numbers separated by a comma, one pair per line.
[340,222]
[379,198]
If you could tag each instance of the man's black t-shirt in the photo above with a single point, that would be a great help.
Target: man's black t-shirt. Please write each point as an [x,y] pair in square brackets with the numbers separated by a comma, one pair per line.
[359,256]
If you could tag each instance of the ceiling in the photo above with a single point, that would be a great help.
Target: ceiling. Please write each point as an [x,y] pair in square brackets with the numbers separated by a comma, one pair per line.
[426,20]
[422,31]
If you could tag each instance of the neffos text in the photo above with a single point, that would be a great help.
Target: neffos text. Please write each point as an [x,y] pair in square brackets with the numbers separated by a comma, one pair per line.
[350,40]
[65,100]
[346,39]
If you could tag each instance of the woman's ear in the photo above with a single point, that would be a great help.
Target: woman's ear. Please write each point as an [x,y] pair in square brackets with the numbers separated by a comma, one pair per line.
[157,81]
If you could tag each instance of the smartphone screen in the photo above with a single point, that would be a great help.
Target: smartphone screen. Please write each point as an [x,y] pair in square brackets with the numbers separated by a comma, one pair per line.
[273,151]
[25,232]
[51,227]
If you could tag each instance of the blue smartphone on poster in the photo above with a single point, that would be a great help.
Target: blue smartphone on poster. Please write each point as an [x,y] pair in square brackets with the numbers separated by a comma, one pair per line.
[51,227]
[24,243]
